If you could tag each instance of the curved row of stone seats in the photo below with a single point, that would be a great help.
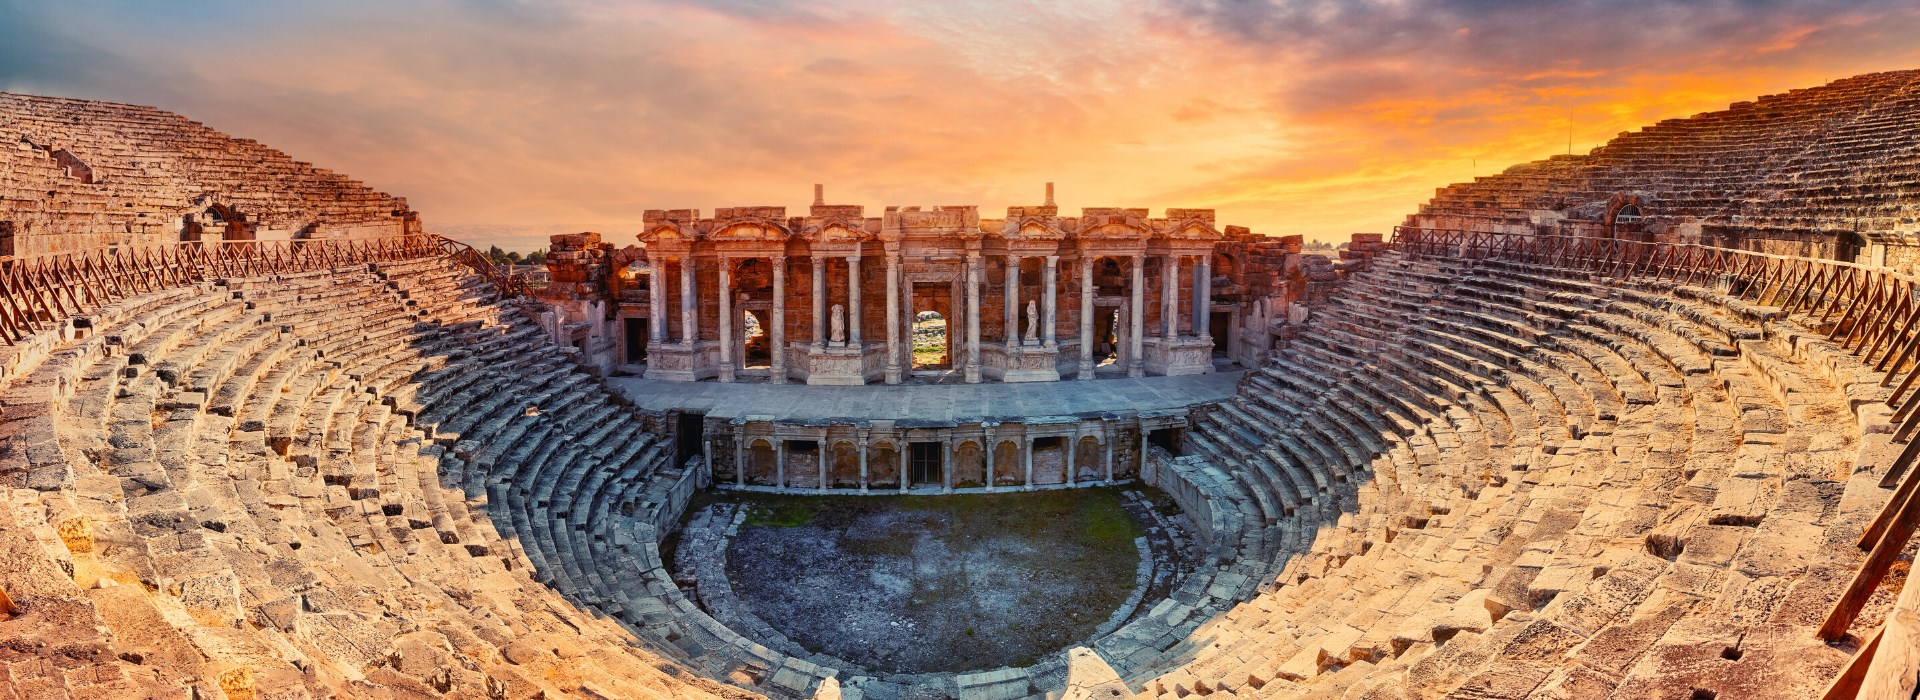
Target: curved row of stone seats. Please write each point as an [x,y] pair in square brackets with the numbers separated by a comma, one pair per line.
[1828,158]
[143,159]
[1574,487]
[281,486]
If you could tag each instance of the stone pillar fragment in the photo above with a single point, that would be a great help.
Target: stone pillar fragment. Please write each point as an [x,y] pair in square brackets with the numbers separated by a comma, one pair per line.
[893,326]
[726,320]
[777,334]
[819,303]
[1013,300]
[656,300]
[853,302]
[1203,298]
[820,461]
[973,318]
[689,309]
[1026,460]
[1049,301]
[1136,359]
[1170,300]
[1086,317]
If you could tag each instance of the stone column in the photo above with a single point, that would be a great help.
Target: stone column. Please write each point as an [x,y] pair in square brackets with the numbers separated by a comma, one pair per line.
[988,439]
[862,435]
[904,450]
[973,318]
[946,466]
[1136,362]
[780,463]
[1072,451]
[893,330]
[1026,460]
[1203,298]
[819,303]
[739,455]
[1049,301]
[726,320]
[777,335]
[1107,441]
[656,300]
[820,460]
[1086,316]
[1013,300]
[853,301]
[907,315]
[1170,300]
[689,311]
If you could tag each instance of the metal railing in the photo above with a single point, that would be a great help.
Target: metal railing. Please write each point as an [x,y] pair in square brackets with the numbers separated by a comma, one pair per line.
[1869,312]
[39,292]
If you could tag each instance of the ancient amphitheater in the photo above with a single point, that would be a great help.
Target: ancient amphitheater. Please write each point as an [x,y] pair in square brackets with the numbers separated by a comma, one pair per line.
[1636,423]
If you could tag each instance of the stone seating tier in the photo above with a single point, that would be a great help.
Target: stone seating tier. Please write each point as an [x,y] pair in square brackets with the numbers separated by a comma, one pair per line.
[1470,478]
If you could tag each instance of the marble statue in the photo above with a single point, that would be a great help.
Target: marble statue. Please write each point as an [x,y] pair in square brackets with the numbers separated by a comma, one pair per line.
[839,324]
[1033,321]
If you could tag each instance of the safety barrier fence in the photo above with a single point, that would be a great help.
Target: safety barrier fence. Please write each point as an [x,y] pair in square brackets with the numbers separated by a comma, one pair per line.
[40,292]
[1868,311]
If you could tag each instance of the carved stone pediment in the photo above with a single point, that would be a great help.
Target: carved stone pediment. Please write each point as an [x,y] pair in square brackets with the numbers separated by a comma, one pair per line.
[837,230]
[668,232]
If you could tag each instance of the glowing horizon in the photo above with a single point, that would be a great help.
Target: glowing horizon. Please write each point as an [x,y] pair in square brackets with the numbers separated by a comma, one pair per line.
[1310,118]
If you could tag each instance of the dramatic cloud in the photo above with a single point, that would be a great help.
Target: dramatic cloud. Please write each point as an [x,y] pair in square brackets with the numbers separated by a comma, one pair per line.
[1320,118]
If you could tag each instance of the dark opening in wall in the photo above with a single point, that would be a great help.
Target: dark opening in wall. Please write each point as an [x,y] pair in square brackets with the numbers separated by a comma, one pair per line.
[6,239]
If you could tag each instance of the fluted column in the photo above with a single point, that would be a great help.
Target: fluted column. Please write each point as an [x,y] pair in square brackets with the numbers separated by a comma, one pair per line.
[1136,363]
[853,301]
[689,310]
[1170,299]
[1013,300]
[972,374]
[893,326]
[777,335]
[656,300]
[820,450]
[1203,298]
[726,320]
[819,303]
[904,448]
[862,434]
[1048,301]
[1086,316]
[780,463]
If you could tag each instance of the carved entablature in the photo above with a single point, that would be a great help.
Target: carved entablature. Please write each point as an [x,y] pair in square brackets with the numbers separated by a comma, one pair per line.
[948,221]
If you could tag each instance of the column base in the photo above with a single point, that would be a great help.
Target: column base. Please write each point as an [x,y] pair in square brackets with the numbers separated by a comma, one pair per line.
[1180,357]
[1086,371]
[893,374]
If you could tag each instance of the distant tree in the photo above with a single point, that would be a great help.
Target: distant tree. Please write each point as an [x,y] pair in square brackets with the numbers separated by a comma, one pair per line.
[514,257]
[538,257]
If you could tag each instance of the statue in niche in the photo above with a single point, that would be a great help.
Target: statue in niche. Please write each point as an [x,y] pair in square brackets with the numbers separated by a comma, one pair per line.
[839,325]
[1033,321]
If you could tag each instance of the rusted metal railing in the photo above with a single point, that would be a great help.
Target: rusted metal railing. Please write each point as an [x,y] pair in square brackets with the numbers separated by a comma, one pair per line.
[39,292]
[1870,312]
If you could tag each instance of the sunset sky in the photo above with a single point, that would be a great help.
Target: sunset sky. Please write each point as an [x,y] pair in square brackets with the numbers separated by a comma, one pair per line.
[1321,118]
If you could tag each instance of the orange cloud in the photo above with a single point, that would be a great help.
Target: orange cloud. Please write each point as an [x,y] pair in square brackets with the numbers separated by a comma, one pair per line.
[1290,118]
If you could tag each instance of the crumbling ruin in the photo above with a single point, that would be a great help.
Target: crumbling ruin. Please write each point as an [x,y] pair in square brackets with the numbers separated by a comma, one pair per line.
[1483,458]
